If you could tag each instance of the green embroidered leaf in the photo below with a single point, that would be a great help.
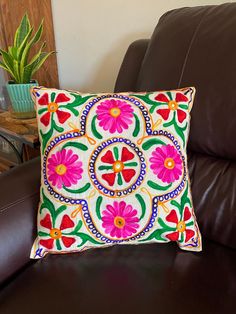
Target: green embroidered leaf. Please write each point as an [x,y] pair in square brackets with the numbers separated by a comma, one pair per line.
[76,145]
[158,187]
[184,200]
[98,207]
[48,205]
[55,126]
[116,153]
[146,98]
[143,205]
[94,130]
[78,227]
[167,124]
[176,204]
[85,237]
[53,96]
[189,224]
[104,167]
[58,245]
[137,126]
[42,234]
[81,190]
[183,106]
[60,210]
[151,142]
[169,95]
[73,110]
[157,234]
[120,182]
[45,138]
[164,226]
[42,110]
[179,130]
[79,100]
[131,164]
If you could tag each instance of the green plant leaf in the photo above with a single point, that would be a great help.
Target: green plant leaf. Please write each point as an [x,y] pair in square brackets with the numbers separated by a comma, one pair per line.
[98,207]
[22,46]
[142,204]
[13,51]
[22,30]
[76,145]
[158,187]
[94,129]
[16,70]
[151,142]
[8,63]
[78,191]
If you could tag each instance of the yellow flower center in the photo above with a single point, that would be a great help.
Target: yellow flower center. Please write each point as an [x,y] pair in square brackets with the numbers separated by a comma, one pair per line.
[115,112]
[118,166]
[173,105]
[52,107]
[169,163]
[181,226]
[55,233]
[119,222]
[61,169]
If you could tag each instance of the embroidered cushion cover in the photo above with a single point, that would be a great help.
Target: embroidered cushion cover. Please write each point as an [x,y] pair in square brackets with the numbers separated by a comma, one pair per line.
[114,170]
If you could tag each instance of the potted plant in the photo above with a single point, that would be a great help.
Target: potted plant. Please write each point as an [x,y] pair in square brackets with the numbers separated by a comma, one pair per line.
[21,67]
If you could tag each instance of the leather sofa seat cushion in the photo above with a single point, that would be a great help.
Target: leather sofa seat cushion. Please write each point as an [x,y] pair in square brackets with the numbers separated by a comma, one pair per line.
[141,279]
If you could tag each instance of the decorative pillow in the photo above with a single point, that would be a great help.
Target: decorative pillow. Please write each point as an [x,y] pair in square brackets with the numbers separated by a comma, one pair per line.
[114,170]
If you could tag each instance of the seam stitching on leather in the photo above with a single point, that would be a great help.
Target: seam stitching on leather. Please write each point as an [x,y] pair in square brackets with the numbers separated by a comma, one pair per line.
[4,208]
[190,45]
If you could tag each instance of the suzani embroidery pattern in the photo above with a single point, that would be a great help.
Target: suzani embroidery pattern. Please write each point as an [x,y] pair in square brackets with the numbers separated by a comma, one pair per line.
[114,170]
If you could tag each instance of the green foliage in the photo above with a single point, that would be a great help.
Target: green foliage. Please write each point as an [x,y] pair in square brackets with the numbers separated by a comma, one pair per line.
[16,59]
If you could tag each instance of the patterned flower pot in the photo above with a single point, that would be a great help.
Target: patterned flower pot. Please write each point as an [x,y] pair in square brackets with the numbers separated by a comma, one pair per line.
[22,103]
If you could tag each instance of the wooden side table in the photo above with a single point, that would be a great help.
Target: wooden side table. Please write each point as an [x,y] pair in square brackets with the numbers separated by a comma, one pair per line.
[21,132]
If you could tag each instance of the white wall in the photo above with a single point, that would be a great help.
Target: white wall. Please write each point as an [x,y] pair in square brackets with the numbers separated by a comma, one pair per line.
[92,36]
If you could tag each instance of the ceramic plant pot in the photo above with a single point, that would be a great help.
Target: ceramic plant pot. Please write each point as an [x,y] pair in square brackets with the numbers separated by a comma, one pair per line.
[22,103]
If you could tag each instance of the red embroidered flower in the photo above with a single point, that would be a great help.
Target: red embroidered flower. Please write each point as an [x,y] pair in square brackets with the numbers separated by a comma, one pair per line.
[173,105]
[181,229]
[119,166]
[52,107]
[56,234]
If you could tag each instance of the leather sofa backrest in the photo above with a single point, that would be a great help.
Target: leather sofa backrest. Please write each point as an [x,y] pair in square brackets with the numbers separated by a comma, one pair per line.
[197,47]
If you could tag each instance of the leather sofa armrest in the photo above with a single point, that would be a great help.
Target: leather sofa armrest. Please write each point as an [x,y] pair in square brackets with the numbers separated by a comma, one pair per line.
[130,67]
[19,197]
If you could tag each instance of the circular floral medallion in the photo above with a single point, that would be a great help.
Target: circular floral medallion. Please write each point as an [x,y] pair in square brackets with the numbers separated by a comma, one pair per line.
[117,167]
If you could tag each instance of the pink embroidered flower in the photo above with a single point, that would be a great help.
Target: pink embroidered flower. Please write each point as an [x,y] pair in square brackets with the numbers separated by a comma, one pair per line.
[120,220]
[64,169]
[166,163]
[114,115]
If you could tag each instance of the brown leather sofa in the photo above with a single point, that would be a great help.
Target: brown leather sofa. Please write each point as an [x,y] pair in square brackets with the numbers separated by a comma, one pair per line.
[189,47]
